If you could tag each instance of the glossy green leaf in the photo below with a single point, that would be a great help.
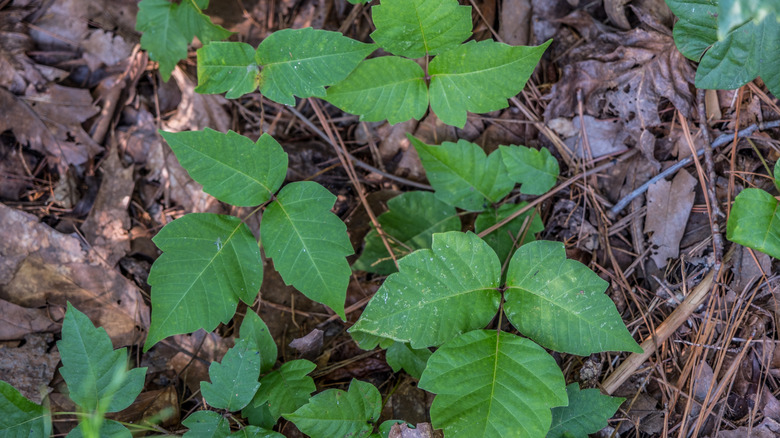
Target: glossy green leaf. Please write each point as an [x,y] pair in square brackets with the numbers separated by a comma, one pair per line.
[587,413]
[301,62]
[536,169]
[254,329]
[504,239]
[415,28]
[96,374]
[286,389]
[208,263]
[479,77]
[736,59]
[168,28]
[335,413]
[234,380]
[382,88]
[561,304]
[755,221]
[231,167]
[259,416]
[255,432]
[463,175]
[493,384]
[438,293]
[734,13]
[308,243]
[401,356]
[108,428]
[206,424]
[227,67]
[408,224]
[21,417]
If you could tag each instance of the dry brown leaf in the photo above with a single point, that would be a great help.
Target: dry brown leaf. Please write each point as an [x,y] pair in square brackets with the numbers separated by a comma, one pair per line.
[45,267]
[192,356]
[309,346]
[515,22]
[668,207]
[30,368]
[17,321]
[604,137]
[422,430]
[197,111]
[766,429]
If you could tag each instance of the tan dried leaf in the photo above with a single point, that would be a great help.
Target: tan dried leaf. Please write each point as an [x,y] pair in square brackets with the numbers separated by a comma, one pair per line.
[668,207]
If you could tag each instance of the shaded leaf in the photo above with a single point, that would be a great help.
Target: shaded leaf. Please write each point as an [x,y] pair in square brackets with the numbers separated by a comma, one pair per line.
[536,169]
[168,29]
[734,13]
[234,380]
[21,417]
[255,432]
[108,428]
[561,304]
[286,389]
[587,412]
[301,62]
[231,167]
[259,416]
[479,77]
[415,28]
[227,67]
[382,88]
[96,374]
[438,293]
[335,413]
[462,174]
[493,384]
[503,239]
[308,243]
[409,224]
[755,221]
[254,329]
[206,424]
[401,356]
[208,263]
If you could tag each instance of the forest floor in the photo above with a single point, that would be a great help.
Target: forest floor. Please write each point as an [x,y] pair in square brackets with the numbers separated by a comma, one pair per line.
[86,181]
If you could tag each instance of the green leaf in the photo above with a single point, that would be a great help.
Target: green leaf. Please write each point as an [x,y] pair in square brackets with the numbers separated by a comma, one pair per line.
[462,174]
[259,416]
[503,239]
[168,29]
[231,167]
[234,381]
[561,304]
[415,28]
[21,417]
[536,170]
[745,52]
[409,224]
[401,356]
[254,329]
[335,413]
[96,374]
[438,293]
[479,77]
[308,243]
[227,67]
[301,62]
[382,88]
[206,424]
[286,389]
[493,384]
[587,412]
[108,428]
[255,432]
[733,13]
[755,221]
[209,262]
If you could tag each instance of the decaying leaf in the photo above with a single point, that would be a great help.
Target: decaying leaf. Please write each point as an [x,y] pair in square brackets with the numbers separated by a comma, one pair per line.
[30,367]
[668,207]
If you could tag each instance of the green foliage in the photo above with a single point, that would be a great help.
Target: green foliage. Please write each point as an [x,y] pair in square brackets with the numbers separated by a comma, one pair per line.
[234,380]
[106,428]
[734,13]
[335,413]
[491,384]
[744,52]
[254,329]
[401,356]
[21,417]
[586,413]
[208,263]
[168,28]
[755,221]
[286,389]
[536,169]
[409,224]
[506,238]
[206,424]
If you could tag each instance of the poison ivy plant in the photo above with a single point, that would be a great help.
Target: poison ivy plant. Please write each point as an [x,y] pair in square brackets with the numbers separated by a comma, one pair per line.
[234,380]
[168,28]
[754,220]
[21,417]
[401,356]
[739,55]
[512,235]
[734,13]
[536,169]
[286,389]
[587,412]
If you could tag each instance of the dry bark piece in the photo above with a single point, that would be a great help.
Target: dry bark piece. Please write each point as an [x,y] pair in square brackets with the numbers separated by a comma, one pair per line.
[668,207]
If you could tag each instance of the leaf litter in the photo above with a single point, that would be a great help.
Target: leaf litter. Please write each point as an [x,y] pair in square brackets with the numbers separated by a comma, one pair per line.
[618,91]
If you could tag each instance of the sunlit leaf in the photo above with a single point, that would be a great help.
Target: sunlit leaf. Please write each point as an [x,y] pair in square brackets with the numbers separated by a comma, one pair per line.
[587,413]
[227,67]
